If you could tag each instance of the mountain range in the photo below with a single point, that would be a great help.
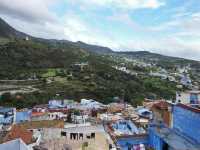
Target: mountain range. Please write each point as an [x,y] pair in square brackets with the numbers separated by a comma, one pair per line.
[58,61]
[8,32]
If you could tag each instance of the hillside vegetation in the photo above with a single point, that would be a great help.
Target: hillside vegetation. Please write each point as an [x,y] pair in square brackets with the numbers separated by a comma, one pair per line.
[98,80]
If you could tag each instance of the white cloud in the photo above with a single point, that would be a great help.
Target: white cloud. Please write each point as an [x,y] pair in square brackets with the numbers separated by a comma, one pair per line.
[186,22]
[48,30]
[28,10]
[123,4]
[122,18]
[33,17]
[76,29]
[169,45]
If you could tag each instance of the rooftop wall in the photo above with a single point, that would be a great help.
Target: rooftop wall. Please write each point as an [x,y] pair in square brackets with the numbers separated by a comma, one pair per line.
[187,121]
[124,143]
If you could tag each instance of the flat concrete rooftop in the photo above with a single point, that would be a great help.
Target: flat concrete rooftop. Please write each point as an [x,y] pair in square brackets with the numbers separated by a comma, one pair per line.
[53,140]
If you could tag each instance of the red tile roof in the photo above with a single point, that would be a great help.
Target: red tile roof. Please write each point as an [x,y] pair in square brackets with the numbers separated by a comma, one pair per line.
[65,110]
[37,114]
[19,132]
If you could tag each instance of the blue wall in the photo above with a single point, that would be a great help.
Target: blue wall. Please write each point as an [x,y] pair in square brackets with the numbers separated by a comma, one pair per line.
[23,116]
[154,140]
[187,122]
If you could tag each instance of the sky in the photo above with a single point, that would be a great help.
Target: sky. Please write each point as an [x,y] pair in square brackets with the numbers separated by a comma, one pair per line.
[169,27]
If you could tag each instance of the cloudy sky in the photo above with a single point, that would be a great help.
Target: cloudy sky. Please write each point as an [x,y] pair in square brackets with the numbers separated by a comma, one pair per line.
[170,27]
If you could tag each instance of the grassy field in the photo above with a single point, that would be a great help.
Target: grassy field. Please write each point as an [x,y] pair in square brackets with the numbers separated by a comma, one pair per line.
[49,73]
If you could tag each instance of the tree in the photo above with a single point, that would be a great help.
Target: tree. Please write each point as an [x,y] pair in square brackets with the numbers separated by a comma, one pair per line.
[6,96]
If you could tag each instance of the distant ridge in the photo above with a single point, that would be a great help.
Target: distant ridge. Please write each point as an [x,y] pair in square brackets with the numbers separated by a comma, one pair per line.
[6,31]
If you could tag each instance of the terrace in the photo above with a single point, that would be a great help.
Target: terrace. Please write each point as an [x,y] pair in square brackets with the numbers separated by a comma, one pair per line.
[89,137]
[126,134]
[126,127]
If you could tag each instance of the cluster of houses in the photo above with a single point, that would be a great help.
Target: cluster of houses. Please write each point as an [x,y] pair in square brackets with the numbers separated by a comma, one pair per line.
[127,71]
[88,124]
[181,77]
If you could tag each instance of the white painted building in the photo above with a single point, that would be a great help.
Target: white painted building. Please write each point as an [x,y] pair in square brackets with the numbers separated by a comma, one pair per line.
[56,115]
[188,97]
[90,104]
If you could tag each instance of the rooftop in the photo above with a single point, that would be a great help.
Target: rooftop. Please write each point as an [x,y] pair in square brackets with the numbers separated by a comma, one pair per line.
[52,138]
[163,105]
[37,114]
[126,127]
[5,109]
[17,144]
[19,132]
[176,141]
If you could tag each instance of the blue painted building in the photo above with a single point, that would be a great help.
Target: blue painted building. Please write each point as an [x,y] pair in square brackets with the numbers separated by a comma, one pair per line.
[23,116]
[184,133]
[155,140]
[56,104]
[187,121]
[129,135]
[125,127]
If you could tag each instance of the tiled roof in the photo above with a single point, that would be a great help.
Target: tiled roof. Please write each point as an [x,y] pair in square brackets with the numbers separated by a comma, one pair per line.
[19,132]
[161,105]
[37,114]
[63,110]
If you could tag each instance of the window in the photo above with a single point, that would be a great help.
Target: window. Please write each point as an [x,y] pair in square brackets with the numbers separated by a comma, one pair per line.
[193,98]
[63,133]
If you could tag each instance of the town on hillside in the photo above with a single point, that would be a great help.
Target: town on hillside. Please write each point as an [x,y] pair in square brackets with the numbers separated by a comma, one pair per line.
[65,124]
